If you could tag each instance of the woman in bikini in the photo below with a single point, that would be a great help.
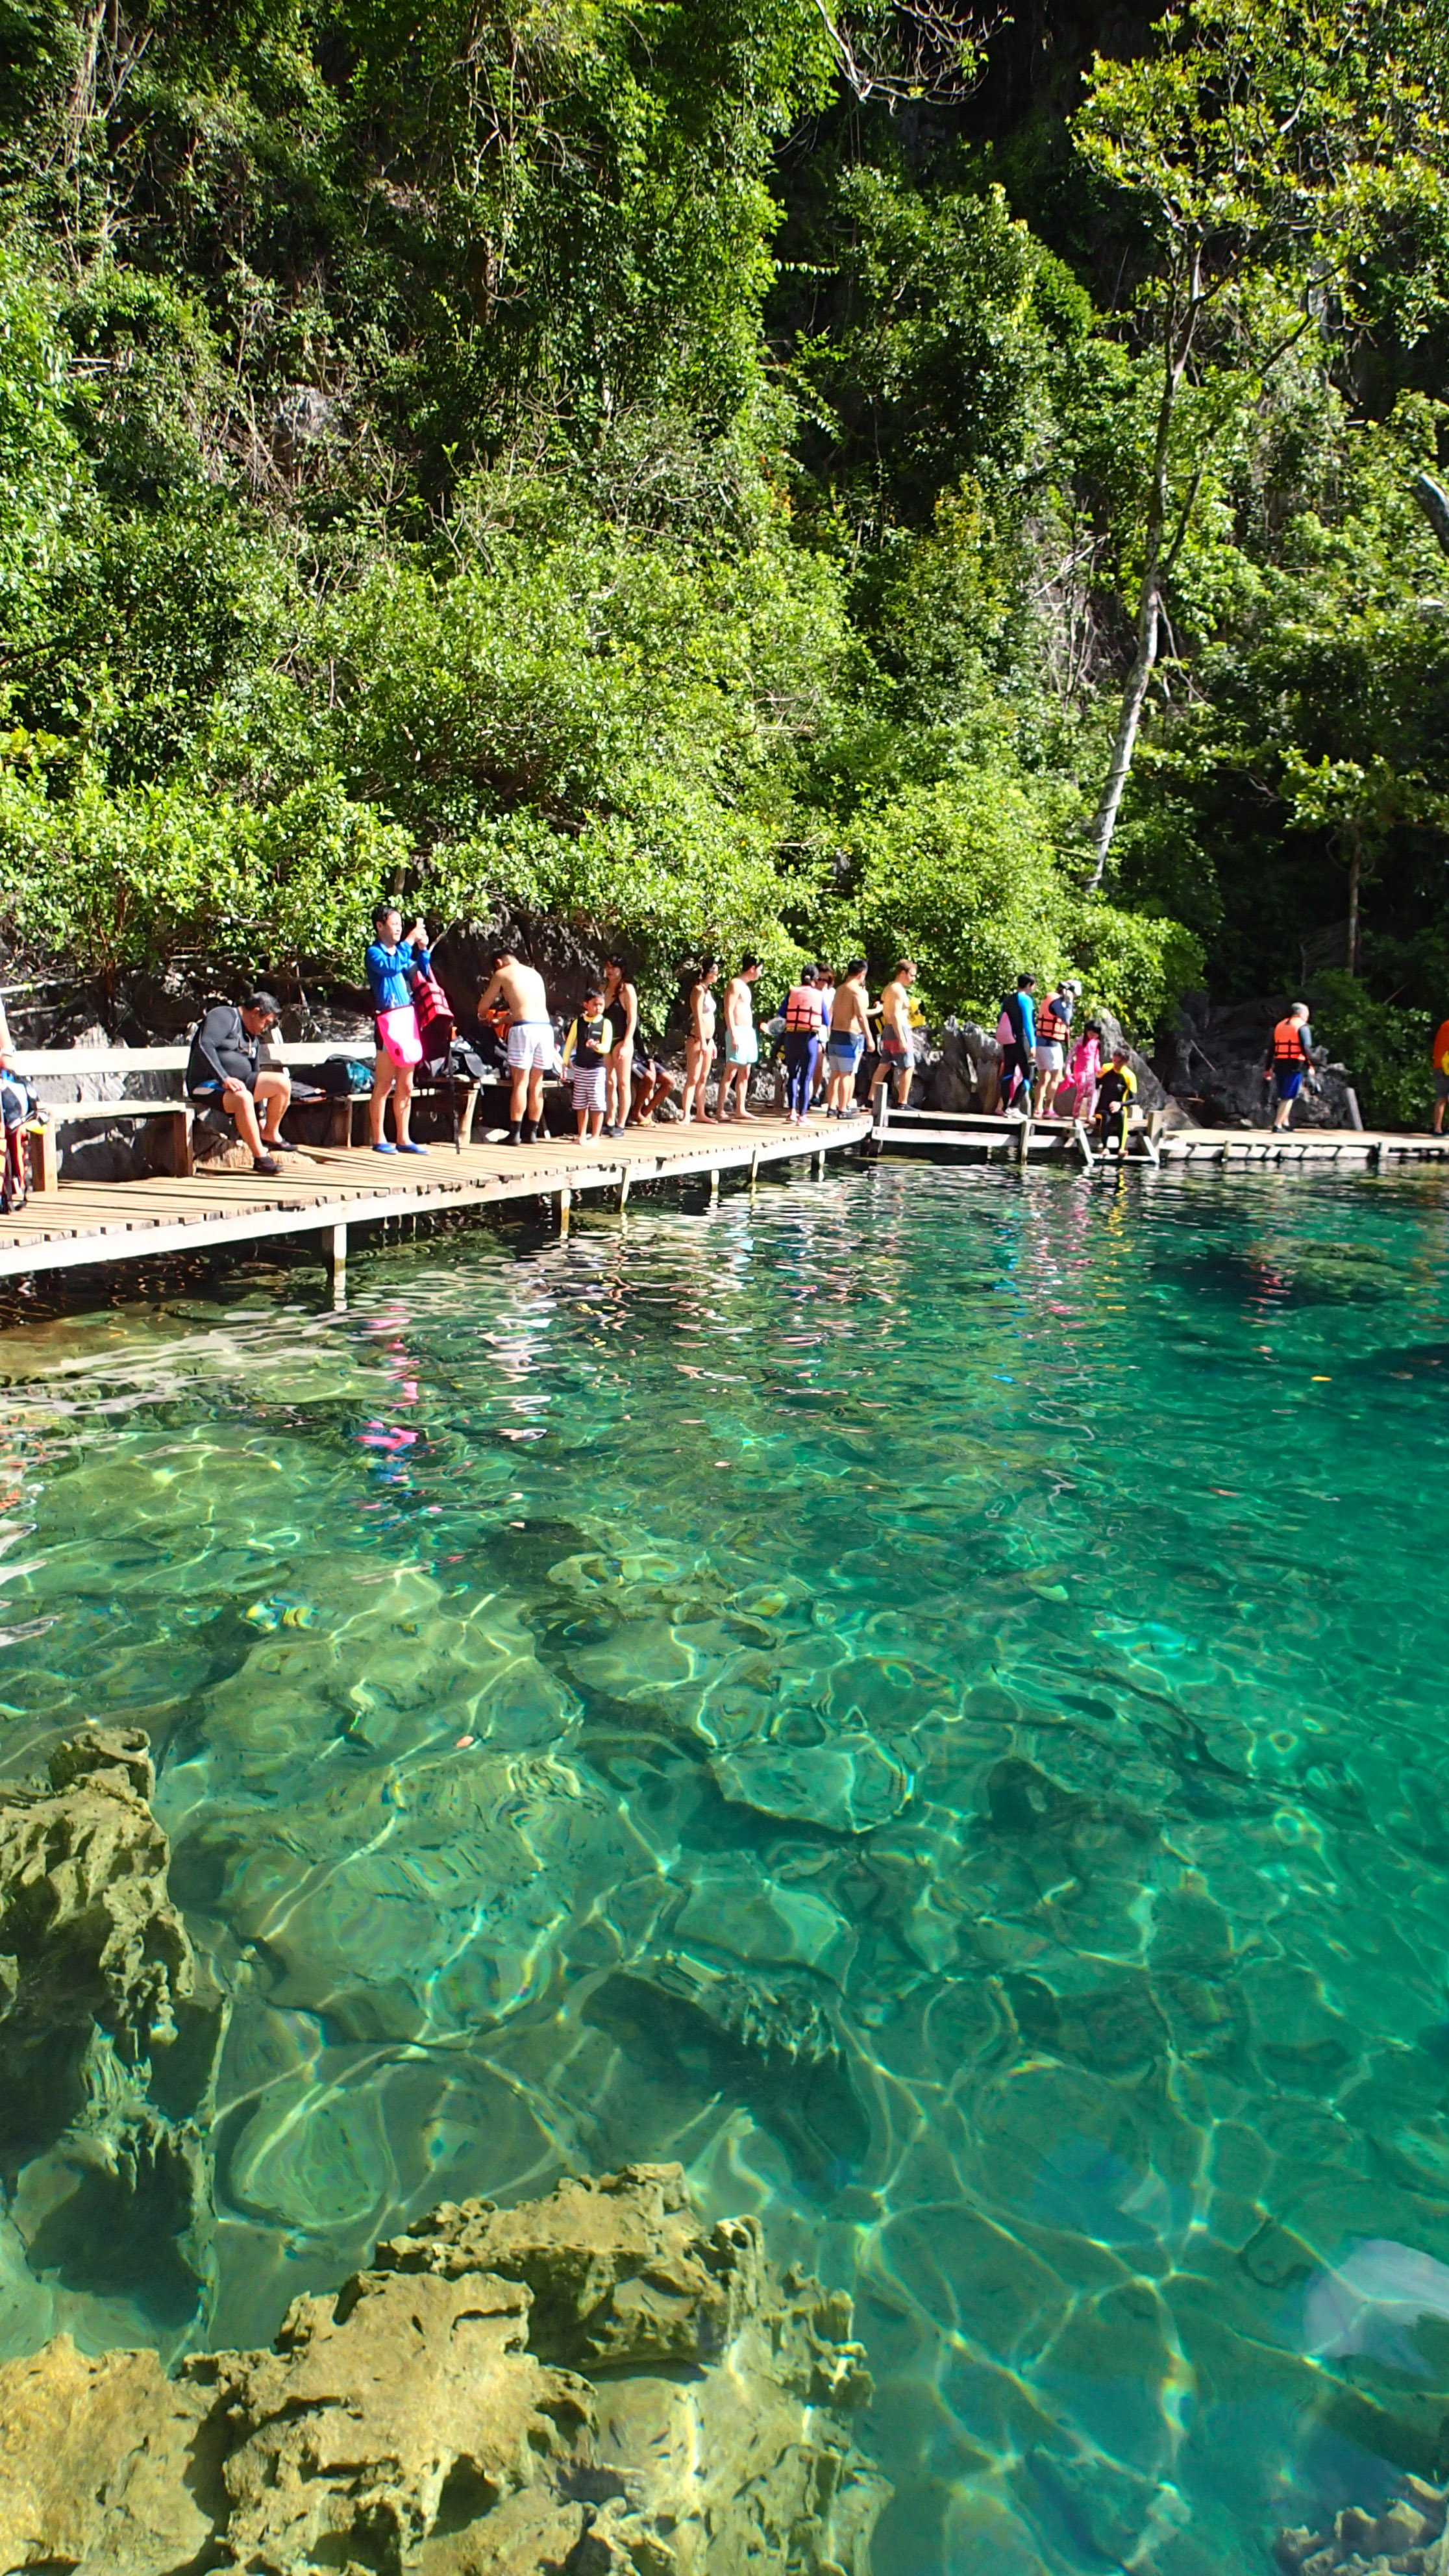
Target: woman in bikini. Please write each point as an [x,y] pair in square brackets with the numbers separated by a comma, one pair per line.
[699,1045]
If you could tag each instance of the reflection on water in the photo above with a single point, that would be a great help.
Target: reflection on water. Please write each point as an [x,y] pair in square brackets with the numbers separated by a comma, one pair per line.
[920,1696]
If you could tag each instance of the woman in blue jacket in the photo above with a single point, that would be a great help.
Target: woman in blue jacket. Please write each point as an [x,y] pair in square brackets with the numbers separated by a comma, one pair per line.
[392,964]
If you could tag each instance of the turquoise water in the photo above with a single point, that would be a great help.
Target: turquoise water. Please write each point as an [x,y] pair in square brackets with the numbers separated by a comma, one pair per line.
[921,1695]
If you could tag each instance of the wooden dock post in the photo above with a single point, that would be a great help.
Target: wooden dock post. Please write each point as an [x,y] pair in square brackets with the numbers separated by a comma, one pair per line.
[565,1208]
[337,1264]
[1023,1140]
[1083,1143]
[623,1189]
[755,1167]
[714,1185]
[820,1164]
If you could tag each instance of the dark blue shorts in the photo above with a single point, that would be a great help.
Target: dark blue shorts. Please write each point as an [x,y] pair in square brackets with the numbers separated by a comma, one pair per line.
[1289,1078]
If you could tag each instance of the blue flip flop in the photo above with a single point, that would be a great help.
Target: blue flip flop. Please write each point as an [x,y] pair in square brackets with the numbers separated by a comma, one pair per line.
[384,1148]
[412,1149]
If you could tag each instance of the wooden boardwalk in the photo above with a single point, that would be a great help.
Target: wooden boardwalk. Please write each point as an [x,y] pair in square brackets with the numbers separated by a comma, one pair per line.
[325,1190]
[981,1138]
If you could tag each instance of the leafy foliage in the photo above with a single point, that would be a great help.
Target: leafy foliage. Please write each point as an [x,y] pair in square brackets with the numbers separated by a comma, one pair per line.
[636,462]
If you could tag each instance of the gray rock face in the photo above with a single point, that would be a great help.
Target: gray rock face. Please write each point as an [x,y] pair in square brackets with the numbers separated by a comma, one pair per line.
[435,2416]
[1216,1066]
[96,1973]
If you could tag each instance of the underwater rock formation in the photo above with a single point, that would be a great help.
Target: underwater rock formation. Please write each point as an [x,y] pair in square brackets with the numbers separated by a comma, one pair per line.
[1408,2537]
[593,2383]
[96,1973]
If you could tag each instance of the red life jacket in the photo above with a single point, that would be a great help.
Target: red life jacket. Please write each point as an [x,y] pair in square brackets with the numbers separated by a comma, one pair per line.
[1288,1046]
[802,1011]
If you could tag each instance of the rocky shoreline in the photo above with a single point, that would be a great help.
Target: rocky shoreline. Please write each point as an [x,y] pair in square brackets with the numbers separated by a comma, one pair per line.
[594,2383]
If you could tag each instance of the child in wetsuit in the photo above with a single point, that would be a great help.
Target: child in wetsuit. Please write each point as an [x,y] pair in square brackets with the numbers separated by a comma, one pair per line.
[1115,1095]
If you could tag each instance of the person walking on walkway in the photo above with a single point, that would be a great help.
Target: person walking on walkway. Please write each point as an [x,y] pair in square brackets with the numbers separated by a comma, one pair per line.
[849,1032]
[1440,1053]
[531,1049]
[1053,1031]
[742,1045]
[1288,1060]
[392,964]
[699,1041]
[1016,1030]
[223,1070]
[897,1037]
[621,1002]
[804,1026]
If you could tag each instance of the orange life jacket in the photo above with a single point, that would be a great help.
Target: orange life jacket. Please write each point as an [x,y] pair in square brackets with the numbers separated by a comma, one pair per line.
[1288,1046]
[802,1011]
[1050,1026]
[1441,1047]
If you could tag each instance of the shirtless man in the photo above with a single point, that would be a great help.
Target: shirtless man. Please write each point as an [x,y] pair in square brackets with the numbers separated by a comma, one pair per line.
[531,1049]
[742,1046]
[849,1030]
[897,1039]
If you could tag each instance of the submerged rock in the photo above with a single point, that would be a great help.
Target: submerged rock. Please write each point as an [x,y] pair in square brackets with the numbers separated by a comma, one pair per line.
[108,2193]
[438,2414]
[1407,2536]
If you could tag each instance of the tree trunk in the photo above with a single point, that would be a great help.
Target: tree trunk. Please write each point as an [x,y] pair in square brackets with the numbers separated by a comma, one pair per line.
[1149,626]
[1179,325]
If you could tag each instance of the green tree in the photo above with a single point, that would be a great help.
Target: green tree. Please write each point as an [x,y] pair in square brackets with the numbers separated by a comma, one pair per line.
[1264,148]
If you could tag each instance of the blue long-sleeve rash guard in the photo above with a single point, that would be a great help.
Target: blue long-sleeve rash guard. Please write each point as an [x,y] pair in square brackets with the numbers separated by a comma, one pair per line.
[390,972]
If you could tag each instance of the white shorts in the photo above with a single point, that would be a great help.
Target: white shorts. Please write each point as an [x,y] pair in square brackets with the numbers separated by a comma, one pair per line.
[531,1047]
[744,1051]
[591,1086]
[1049,1057]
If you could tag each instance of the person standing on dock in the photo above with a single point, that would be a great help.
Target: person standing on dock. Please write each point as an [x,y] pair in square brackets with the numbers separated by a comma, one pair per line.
[849,1031]
[1288,1060]
[1053,1030]
[897,1037]
[586,1059]
[699,1042]
[621,1002]
[1440,1052]
[1016,1030]
[531,1049]
[742,1045]
[826,988]
[1086,1072]
[804,1027]
[392,965]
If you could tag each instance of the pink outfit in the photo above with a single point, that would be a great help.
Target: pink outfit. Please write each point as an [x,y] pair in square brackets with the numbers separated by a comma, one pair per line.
[1086,1074]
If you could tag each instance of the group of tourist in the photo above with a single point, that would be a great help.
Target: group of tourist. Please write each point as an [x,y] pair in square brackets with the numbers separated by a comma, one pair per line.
[615,1073]
[617,1079]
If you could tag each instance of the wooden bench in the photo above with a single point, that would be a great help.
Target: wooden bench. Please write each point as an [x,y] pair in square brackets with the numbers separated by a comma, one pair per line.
[179,1113]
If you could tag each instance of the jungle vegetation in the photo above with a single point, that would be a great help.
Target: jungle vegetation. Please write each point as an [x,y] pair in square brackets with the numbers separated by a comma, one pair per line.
[729,472]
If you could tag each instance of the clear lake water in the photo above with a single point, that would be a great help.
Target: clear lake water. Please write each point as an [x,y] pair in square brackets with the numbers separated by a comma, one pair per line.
[919,1694]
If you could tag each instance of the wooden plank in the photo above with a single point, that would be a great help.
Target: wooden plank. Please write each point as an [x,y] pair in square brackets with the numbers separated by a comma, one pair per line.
[88,1224]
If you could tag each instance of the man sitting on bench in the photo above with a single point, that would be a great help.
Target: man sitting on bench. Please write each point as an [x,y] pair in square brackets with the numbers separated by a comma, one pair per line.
[223,1070]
